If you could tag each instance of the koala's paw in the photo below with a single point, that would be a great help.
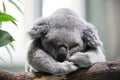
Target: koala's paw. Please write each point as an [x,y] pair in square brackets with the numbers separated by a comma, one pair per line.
[67,67]
[81,59]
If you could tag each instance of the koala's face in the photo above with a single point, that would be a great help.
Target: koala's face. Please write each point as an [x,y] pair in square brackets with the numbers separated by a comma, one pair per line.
[61,43]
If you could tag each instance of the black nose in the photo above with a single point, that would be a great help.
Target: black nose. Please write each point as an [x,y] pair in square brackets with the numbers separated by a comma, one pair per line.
[61,53]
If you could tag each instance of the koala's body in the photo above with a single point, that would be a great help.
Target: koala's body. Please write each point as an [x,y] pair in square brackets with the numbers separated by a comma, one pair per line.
[63,43]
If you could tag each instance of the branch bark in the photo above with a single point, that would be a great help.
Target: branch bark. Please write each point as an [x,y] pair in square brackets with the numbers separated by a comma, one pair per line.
[100,71]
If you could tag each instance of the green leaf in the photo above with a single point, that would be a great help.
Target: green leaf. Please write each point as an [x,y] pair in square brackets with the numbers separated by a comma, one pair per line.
[12,46]
[14,23]
[12,2]
[6,17]
[5,38]
[4,8]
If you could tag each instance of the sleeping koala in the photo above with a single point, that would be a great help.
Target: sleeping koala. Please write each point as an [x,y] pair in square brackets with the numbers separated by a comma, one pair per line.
[63,43]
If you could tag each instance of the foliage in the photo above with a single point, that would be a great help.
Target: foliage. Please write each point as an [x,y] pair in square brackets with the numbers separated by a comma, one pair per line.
[6,17]
[5,37]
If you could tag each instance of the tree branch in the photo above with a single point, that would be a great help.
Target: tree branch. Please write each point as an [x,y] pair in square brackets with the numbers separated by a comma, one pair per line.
[100,71]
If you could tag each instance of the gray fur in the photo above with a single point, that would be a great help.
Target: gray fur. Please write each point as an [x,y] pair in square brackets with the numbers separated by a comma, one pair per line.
[65,28]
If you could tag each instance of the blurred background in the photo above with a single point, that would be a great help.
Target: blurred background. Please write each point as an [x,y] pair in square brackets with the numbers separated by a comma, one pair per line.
[104,14]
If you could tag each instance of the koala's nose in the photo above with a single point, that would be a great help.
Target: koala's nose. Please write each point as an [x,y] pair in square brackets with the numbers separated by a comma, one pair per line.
[62,53]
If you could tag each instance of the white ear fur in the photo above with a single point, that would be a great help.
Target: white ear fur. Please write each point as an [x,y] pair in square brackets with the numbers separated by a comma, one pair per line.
[90,36]
[38,31]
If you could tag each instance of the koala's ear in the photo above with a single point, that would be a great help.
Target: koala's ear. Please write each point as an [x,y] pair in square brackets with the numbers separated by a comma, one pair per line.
[38,31]
[90,36]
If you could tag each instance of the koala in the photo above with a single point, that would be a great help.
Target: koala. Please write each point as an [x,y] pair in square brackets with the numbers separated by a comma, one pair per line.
[63,43]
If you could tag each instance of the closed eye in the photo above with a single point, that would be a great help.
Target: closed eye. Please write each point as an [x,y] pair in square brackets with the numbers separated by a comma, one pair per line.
[73,45]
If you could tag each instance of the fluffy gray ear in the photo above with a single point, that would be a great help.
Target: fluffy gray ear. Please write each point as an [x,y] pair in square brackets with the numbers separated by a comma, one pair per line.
[90,36]
[38,31]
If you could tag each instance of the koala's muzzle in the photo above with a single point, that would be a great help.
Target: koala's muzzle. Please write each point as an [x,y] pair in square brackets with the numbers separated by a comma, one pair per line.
[62,53]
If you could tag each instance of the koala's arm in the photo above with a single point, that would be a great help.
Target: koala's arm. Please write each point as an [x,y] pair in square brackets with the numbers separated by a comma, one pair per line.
[88,58]
[41,61]
[93,52]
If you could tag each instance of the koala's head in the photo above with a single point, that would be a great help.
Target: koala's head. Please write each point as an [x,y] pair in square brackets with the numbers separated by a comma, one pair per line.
[59,34]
